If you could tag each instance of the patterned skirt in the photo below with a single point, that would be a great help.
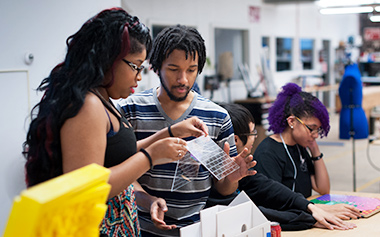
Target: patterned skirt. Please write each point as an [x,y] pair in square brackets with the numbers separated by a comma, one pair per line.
[121,216]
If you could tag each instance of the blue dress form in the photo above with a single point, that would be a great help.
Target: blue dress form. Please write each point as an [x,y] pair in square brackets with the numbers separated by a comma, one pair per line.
[351,93]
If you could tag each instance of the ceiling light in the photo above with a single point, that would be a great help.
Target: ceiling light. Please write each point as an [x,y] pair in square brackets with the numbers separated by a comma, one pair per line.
[375,18]
[346,10]
[340,3]
[377,8]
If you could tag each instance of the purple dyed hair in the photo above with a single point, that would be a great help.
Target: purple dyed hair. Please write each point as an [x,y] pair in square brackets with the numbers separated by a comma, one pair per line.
[293,101]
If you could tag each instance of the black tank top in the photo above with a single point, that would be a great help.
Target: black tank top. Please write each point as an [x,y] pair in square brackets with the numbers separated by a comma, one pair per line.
[122,144]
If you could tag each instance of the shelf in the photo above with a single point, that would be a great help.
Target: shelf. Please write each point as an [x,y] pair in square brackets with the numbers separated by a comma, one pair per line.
[371,79]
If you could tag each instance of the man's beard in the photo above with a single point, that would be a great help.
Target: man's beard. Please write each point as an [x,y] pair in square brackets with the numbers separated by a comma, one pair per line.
[171,96]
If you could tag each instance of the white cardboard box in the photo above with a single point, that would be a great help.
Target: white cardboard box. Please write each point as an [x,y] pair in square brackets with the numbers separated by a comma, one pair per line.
[241,218]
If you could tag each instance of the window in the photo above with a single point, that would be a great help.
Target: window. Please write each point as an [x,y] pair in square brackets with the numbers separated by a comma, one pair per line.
[265,45]
[265,41]
[307,46]
[284,48]
[156,29]
[232,42]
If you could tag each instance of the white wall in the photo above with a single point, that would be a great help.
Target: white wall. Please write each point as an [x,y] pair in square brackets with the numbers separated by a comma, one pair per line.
[293,20]
[304,21]
[205,16]
[40,27]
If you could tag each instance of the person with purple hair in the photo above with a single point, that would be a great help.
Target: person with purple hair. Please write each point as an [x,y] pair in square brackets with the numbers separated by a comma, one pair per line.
[291,155]
[277,202]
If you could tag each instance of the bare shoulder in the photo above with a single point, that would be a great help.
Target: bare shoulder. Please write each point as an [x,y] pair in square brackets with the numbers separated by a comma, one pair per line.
[92,102]
[83,137]
[92,112]
[92,106]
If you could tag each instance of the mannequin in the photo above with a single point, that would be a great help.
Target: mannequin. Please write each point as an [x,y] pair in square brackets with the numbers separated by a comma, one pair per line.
[353,122]
[352,116]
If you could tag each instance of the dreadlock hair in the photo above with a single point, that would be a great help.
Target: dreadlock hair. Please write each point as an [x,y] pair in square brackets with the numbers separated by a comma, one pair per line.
[91,53]
[293,101]
[240,118]
[178,37]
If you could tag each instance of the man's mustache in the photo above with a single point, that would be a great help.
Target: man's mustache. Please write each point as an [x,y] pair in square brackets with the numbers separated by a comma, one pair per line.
[181,86]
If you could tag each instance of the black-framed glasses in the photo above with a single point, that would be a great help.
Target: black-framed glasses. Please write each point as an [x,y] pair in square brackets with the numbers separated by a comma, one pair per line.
[312,131]
[134,66]
[253,133]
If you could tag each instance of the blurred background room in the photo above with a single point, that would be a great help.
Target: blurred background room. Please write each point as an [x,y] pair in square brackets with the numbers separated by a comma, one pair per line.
[254,47]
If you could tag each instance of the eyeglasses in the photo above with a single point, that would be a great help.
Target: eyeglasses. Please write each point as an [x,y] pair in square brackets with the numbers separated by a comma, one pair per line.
[253,133]
[312,131]
[134,66]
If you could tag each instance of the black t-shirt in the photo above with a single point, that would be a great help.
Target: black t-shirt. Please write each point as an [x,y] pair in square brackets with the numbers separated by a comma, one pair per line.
[274,162]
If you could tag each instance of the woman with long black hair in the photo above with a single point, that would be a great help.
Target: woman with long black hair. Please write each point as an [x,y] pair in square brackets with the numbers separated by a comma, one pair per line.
[76,124]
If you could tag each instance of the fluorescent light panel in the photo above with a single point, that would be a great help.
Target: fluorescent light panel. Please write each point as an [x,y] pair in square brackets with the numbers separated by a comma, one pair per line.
[375,18]
[346,10]
[345,3]
[377,8]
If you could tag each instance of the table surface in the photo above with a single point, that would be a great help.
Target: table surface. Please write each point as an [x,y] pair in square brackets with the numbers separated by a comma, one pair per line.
[367,227]
[312,89]
[255,100]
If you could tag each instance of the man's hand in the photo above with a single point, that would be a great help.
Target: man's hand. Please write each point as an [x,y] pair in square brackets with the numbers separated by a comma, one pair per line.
[229,184]
[191,127]
[245,162]
[157,214]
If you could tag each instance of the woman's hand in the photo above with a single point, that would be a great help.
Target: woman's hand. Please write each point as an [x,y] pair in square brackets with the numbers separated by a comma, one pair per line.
[191,127]
[342,211]
[167,150]
[314,148]
[327,220]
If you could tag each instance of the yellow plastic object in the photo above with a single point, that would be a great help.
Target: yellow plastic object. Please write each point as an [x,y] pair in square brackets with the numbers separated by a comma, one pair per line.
[72,204]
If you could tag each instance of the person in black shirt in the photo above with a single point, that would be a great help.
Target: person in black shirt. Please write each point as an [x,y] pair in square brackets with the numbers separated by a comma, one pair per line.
[297,119]
[277,202]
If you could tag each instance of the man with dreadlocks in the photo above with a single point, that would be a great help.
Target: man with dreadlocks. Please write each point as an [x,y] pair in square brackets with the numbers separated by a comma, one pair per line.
[178,57]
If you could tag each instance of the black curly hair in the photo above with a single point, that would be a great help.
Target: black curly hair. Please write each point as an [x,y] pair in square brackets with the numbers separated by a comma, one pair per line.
[91,53]
[178,37]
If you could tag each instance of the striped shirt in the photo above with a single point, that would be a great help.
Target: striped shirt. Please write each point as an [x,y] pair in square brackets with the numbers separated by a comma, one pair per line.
[146,115]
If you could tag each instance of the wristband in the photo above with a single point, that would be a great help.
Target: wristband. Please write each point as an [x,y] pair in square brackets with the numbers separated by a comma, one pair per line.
[170,131]
[148,156]
[317,158]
